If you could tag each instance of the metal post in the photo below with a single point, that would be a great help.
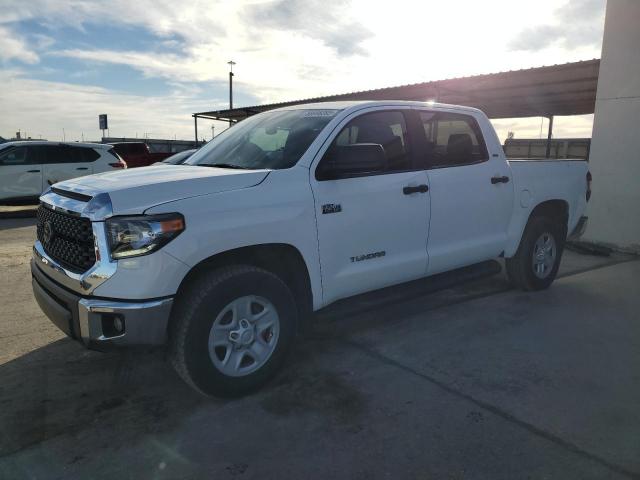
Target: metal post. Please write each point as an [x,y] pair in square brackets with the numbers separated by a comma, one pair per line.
[549,135]
[230,90]
[195,124]
[231,64]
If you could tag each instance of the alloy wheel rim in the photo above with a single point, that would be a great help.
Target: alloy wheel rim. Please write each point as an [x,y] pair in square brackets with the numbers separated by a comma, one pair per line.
[544,255]
[244,335]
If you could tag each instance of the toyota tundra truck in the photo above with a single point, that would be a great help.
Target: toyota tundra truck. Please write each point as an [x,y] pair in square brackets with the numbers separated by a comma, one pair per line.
[223,258]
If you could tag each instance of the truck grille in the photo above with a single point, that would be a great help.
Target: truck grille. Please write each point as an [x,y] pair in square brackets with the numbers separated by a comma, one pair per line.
[67,239]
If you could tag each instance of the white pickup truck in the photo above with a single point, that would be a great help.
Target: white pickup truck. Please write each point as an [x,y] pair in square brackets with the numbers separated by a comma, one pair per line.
[223,257]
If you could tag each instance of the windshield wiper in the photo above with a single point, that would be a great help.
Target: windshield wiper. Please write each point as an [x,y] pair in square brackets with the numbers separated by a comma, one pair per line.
[224,165]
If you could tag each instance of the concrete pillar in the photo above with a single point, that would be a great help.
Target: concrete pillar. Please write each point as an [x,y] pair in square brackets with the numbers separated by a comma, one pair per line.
[614,210]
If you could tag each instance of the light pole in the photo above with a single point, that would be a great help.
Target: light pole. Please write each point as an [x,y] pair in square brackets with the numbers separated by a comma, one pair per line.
[231,63]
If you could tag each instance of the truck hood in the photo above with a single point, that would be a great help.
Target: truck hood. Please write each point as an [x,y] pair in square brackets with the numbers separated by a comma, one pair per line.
[132,191]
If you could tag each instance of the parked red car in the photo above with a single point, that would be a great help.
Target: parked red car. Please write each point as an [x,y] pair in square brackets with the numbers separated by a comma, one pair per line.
[137,154]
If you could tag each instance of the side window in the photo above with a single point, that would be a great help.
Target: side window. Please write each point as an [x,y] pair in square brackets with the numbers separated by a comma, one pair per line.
[36,154]
[58,154]
[14,156]
[452,139]
[387,128]
[82,155]
[89,155]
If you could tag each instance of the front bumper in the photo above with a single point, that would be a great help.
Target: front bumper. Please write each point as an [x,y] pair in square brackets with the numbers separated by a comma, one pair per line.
[95,321]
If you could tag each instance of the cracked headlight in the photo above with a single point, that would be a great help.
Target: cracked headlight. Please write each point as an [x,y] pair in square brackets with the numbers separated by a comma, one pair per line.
[140,235]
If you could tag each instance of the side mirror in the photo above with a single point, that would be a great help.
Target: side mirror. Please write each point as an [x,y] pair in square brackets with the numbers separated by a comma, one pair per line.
[351,160]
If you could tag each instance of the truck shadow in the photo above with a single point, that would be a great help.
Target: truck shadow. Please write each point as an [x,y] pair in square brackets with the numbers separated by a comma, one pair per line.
[9,223]
[64,390]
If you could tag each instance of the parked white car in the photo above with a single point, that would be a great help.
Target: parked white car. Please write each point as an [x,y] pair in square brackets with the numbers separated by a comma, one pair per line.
[28,168]
[223,257]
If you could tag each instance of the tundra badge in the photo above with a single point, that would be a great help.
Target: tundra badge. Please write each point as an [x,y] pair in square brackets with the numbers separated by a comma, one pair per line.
[331,208]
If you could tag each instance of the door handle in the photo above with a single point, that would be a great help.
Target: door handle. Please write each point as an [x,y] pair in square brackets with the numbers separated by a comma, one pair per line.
[417,189]
[82,168]
[33,171]
[495,180]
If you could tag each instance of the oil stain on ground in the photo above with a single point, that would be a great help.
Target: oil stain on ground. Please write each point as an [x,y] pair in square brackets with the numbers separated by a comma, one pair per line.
[320,392]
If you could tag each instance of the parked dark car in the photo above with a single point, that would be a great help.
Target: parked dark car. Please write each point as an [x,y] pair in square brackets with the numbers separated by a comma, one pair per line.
[178,158]
[137,154]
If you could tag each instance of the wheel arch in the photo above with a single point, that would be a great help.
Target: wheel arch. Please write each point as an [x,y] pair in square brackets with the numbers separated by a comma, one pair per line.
[556,209]
[281,259]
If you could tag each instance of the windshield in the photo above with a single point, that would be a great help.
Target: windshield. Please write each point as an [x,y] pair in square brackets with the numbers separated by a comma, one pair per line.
[178,158]
[272,140]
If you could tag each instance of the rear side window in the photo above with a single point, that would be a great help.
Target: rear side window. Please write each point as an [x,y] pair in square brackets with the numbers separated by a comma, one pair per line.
[113,152]
[57,154]
[85,154]
[452,139]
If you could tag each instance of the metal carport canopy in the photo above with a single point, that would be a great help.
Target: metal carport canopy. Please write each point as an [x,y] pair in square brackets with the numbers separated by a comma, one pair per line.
[567,89]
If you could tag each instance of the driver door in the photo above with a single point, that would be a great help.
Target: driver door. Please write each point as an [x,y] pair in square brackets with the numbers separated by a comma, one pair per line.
[372,226]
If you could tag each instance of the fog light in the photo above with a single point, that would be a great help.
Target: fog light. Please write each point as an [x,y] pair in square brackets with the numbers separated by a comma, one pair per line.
[113,325]
[118,325]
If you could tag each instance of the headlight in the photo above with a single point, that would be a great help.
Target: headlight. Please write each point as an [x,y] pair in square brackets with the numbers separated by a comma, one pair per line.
[135,236]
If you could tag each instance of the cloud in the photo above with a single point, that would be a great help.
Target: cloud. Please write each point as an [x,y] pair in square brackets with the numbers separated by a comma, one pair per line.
[282,47]
[284,50]
[578,23]
[12,46]
[75,108]
[323,20]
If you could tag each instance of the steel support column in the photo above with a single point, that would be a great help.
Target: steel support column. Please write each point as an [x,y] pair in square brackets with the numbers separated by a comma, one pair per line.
[549,135]
[195,125]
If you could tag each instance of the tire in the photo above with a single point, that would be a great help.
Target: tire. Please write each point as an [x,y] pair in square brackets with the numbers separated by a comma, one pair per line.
[219,350]
[525,273]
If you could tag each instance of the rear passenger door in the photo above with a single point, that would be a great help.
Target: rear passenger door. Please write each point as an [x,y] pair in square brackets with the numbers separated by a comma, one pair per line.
[65,161]
[469,214]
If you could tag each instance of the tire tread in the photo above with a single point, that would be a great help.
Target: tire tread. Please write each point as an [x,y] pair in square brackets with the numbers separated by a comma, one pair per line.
[187,306]
[518,267]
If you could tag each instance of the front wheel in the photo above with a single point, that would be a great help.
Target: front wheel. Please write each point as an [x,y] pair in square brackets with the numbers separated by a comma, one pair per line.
[535,264]
[232,328]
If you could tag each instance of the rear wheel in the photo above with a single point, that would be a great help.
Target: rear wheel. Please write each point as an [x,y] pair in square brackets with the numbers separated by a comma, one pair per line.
[535,264]
[232,328]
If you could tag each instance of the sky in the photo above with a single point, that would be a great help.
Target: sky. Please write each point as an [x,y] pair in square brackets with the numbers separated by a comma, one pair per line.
[149,64]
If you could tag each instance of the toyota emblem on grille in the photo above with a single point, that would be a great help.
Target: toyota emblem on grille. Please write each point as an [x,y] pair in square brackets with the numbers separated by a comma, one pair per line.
[47,232]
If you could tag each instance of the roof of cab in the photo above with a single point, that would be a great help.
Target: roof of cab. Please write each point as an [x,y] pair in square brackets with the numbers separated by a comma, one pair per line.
[358,104]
